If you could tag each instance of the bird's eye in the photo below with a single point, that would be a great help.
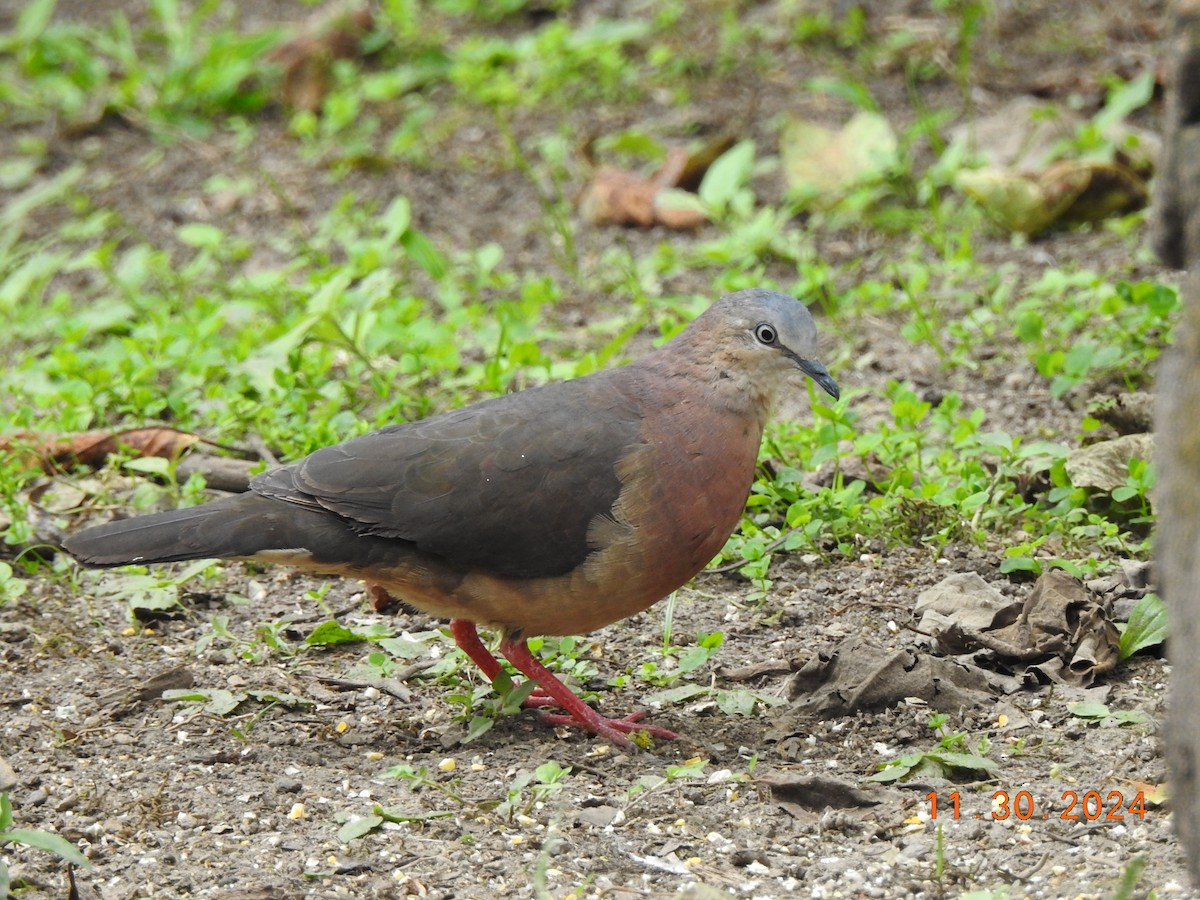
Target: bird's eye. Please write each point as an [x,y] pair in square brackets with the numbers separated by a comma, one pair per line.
[765,333]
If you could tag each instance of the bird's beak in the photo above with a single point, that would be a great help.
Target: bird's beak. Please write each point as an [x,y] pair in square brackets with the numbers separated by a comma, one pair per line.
[820,375]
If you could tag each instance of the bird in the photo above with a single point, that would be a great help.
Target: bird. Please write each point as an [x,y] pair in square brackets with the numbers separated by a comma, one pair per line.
[554,510]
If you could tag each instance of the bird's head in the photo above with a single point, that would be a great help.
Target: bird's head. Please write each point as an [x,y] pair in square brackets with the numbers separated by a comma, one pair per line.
[758,341]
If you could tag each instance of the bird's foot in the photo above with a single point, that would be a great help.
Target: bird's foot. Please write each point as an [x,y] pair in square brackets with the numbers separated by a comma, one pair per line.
[550,691]
[538,699]
[577,712]
[625,724]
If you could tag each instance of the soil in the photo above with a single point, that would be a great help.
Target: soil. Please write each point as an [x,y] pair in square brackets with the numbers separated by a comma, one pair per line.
[168,800]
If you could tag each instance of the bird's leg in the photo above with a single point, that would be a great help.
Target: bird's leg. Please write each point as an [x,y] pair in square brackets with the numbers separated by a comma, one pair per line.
[467,638]
[381,600]
[578,713]
[468,641]
[550,691]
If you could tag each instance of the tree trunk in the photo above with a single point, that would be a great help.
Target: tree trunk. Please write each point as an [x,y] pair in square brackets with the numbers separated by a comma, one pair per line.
[1178,551]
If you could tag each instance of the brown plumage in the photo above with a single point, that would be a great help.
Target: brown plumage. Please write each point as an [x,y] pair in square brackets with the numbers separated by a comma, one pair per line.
[555,510]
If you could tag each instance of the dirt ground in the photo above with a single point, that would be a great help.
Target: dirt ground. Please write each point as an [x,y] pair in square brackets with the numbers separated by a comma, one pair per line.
[169,801]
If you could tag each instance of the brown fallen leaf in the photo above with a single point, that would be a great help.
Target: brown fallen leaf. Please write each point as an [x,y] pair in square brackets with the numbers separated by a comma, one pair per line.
[1058,633]
[621,197]
[1064,193]
[307,58]
[1153,794]
[53,452]
[806,797]
[816,792]
[859,673]
[1104,465]
[760,669]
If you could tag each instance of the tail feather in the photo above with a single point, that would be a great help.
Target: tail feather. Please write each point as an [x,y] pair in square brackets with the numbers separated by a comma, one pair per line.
[240,526]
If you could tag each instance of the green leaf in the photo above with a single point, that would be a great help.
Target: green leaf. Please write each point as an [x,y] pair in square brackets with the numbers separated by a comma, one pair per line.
[1125,98]
[736,703]
[53,843]
[358,828]
[821,162]
[678,200]
[727,175]
[1020,564]
[398,218]
[693,769]
[332,632]
[218,701]
[898,769]
[392,815]
[1105,717]
[964,761]
[514,695]
[1147,626]
[1089,710]
[6,815]
[290,700]
[191,571]
[477,727]
[149,465]
[680,694]
[551,772]
[1127,717]
[30,24]
[200,235]
[404,648]
[693,659]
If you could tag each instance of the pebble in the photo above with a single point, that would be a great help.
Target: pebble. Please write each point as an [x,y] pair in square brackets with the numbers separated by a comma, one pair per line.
[36,797]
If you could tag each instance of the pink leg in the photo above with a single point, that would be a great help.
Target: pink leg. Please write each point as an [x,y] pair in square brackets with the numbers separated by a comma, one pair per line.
[578,712]
[468,641]
[550,691]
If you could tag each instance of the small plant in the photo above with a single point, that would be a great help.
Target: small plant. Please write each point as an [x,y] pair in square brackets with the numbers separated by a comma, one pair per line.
[530,788]
[686,661]
[145,591]
[11,587]
[269,640]
[951,759]
[1147,626]
[481,711]
[1101,714]
[41,840]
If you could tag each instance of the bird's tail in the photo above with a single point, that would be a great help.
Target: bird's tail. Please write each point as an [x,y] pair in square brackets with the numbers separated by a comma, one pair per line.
[239,526]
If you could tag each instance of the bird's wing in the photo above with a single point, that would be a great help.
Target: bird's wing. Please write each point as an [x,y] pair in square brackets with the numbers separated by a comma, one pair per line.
[509,486]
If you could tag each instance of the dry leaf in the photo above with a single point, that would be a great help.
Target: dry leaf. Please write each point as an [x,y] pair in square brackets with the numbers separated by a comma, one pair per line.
[1105,465]
[1067,192]
[860,674]
[824,163]
[1026,134]
[1057,633]
[92,448]
[1153,794]
[307,59]
[626,198]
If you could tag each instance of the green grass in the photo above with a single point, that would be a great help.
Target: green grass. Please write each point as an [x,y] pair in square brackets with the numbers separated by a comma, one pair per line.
[322,325]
